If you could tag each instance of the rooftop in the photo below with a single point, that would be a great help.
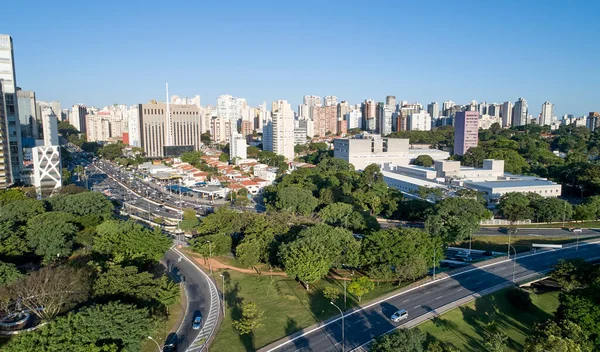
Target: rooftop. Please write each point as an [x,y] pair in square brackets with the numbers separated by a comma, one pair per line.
[528,182]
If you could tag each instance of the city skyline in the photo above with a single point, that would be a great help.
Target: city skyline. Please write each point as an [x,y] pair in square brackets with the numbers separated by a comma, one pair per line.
[257,54]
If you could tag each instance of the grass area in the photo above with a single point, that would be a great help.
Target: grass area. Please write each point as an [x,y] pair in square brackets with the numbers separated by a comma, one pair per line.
[521,243]
[287,307]
[164,328]
[583,225]
[462,328]
[235,263]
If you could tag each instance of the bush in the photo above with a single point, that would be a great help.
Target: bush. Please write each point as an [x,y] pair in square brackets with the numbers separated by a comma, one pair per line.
[519,298]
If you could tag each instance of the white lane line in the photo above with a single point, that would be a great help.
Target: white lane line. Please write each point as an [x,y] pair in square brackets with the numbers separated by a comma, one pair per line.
[438,297]
[429,283]
[415,307]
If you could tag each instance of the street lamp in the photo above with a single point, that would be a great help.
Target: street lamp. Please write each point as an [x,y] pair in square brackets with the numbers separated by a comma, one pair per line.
[223,294]
[470,239]
[514,262]
[351,274]
[342,313]
[210,255]
[157,345]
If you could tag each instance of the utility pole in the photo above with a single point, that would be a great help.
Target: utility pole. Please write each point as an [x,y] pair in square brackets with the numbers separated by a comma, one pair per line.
[342,313]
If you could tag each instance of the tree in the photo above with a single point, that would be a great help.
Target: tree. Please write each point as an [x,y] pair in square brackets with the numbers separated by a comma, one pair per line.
[552,209]
[552,336]
[474,157]
[66,129]
[9,273]
[571,274]
[305,259]
[360,286]
[400,341]
[87,203]
[107,327]
[57,289]
[331,293]
[296,200]
[12,239]
[169,292]
[424,160]
[454,218]
[514,163]
[192,158]
[19,211]
[252,151]
[496,342]
[66,176]
[515,206]
[205,138]
[51,235]
[250,320]
[111,151]
[10,195]
[126,283]
[224,157]
[190,221]
[215,245]
[126,241]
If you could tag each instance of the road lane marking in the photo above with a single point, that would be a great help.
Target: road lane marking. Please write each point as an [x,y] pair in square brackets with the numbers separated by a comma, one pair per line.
[438,297]
[415,307]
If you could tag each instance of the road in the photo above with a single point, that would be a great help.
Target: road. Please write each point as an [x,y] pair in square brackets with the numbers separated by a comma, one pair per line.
[542,232]
[364,325]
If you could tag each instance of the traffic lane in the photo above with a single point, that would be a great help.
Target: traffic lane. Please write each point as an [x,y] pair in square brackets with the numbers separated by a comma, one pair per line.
[486,231]
[197,293]
[374,321]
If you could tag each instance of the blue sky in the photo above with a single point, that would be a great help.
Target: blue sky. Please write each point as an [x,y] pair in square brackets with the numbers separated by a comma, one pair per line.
[106,52]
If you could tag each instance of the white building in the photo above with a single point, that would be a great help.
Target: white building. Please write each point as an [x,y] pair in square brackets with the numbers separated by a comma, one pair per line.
[434,110]
[420,121]
[486,121]
[78,113]
[46,168]
[385,119]
[354,118]
[230,108]
[278,134]
[330,100]
[507,109]
[237,147]
[50,127]
[520,113]
[220,129]
[546,117]
[133,126]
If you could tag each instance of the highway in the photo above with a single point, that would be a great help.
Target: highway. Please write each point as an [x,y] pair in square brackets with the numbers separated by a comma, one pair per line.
[542,232]
[361,326]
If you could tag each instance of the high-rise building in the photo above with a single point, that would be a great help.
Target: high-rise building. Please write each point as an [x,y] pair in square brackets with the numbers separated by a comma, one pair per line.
[280,130]
[50,127]
[47,168]
[593,120]
[384,113]
[28,118]
[230,108]
[369,109]
[220,129]
[5,166]
[325,120]
[446,106]
[55,105]
[247,130]
[312,100]
[185,129]
[434,110]
[133,126]
[482,108]
[506,113]
[354,118]
[466,133]
[390,100]
[237,147]
[547,113]
[419,121]
[330,100]
[11,111]
[78,114]
[520,113]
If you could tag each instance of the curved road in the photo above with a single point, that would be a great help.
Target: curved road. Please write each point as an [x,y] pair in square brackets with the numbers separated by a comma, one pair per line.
[361,326]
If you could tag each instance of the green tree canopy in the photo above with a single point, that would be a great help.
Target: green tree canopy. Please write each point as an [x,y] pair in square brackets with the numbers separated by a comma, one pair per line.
[126,284]
[360,286]
[251,318]
[400,341]
[454,218]
[19,211]
[296,200]
[51,235]
[424,160]
[10,195]
[9,273]
[86,203]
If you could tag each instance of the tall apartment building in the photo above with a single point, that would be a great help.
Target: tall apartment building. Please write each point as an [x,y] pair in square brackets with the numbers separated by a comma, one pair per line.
[28,118]
[220,130]
[279,131]
[133,126]
[77,118]
[547,113]
[11,111]
[325,120]
[433,109]
[447,106]
[466,131]
[369,112]
[5,166]
[354,119]
[230,108]
[330,100]
[50,126]
[507,110]
[482,108]
[384,118]
[493,109]
[593,120]
[520,113]
[390,100]
[185,129]
[237,147]
[247,129]
[419,121]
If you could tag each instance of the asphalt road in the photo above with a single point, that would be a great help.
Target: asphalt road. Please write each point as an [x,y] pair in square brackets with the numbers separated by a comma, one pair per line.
[364,325]
[542,232]
[198,295]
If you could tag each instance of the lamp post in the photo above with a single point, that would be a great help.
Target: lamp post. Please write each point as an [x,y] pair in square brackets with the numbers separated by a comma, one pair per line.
[209,255]
[223,293]
[157,345]
[514,262]
[470,239]
[342,313]
[351,274]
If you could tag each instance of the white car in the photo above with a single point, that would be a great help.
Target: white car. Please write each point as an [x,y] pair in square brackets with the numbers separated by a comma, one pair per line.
[400,315]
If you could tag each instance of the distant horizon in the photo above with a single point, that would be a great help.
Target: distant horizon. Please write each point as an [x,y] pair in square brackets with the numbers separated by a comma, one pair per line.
[419,52]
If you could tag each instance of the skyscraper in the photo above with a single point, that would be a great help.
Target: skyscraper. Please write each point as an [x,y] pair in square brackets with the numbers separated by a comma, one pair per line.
[50,124]
[77,118]
[368,113]
[419,121]
[390,100]
[325,120]
[507,110]
[446,106]
[11,111]
[434,110]
[280,130]
[237,147]
[547,113]
[384,118]
[330,100]
[5,167]
[28,118]
[520,112]
[466,133]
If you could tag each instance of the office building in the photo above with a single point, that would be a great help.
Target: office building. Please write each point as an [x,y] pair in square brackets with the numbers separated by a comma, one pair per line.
[280,130]
[546,117]
[520,113]
[446,106]
[433,109]
[466,131]
[11,108]
[325,120]
[237,147]
[55,105]
[28,118]
[366,149]
[78,114]
[419,121]
[506,113]
[183,134]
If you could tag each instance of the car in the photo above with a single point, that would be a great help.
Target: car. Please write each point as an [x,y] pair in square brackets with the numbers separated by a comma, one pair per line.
[463,256]
[576,230]
[197,322]
[399,315]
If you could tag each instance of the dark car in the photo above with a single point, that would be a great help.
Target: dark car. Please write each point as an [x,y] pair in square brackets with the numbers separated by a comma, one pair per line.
[170,343]
[197,322]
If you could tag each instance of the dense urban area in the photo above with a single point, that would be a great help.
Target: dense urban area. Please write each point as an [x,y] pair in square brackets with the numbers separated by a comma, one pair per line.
[380,225]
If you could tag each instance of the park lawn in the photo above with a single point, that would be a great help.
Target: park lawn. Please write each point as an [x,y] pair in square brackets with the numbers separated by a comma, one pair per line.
[462,328]
[521,243]
[165,327]
[287,307]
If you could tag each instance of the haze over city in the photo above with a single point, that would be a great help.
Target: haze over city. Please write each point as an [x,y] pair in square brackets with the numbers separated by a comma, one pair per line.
[123,52]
